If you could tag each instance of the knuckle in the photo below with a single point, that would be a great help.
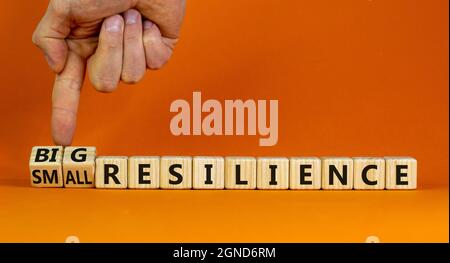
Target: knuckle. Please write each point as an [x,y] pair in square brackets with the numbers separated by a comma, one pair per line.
[69,83]
[111,44]
[35,39]
[134,37]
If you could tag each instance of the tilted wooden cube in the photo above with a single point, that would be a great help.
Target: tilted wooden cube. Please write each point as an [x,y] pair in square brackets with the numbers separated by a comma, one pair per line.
[208,172]
[337,173]
[176,172]
[46,166]
[401,173]
[79,167]
[143,172]
[111,172]
[272,173]
[368,173]
[305,173]
[240,173]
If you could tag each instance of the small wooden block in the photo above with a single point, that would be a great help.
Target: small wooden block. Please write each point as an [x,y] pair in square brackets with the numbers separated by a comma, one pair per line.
[79,167]
[368,173]
[111,172]
[46,166]
[143,172]
[401,173]
[240,173]
[337,173]
[305,173]
[208,172]
[272,173]
[176,172]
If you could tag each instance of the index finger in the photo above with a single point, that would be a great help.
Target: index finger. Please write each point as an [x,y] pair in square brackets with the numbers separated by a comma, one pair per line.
[65,99]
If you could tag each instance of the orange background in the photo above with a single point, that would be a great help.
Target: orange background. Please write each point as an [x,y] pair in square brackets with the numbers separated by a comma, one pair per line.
[352,78]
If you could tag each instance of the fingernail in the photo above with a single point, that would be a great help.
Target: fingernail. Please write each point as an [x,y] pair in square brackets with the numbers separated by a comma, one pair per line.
[113,24]
[148,24]
[131,17]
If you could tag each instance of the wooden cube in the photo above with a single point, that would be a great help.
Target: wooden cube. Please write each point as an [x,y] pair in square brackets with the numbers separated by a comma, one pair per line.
[240,173]
[143,172]
[272,173]
[111,172]
[401,173]
[305,173]
[176,172]
[79,167]
[208,172]
[46,166]
[337,173]
[368,173]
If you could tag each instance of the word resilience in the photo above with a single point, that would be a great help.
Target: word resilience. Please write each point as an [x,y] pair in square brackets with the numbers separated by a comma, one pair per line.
[55,166]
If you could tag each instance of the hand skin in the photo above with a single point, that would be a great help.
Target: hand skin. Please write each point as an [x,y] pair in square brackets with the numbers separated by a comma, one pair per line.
[108,39]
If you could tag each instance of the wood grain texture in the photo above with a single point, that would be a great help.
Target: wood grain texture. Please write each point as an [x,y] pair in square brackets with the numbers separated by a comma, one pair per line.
[246,169]
[401,173]
[305,173]
[208,172]
[368,173]
[176,172]
[143,172]
[46,166]
[272,173]
[79,167]
[111,172]
[335,169]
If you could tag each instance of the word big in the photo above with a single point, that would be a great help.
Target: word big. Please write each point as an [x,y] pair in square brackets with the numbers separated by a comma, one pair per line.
[79,167]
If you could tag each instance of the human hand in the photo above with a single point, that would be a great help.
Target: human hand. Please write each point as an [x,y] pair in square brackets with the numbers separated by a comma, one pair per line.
[75,33]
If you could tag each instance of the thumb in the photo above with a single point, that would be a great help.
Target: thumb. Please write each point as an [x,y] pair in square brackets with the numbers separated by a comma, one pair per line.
[50,35]
[66,96]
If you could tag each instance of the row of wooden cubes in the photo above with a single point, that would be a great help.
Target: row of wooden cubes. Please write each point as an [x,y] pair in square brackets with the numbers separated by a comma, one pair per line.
[79,167]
